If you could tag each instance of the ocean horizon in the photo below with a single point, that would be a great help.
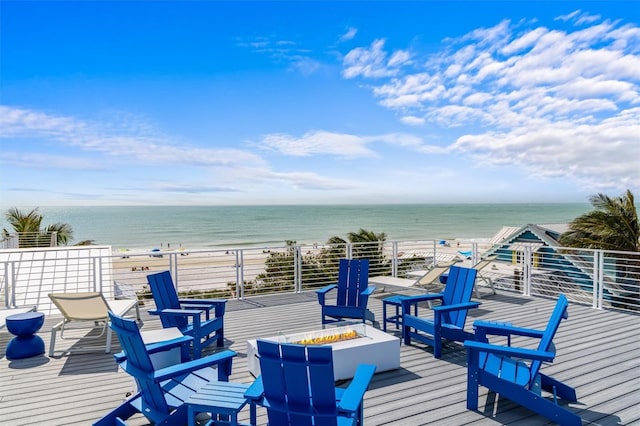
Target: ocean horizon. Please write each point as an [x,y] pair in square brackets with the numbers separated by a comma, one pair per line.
[210,227]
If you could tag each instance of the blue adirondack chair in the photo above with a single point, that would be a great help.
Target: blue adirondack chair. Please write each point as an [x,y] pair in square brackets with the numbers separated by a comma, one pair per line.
[297,387]
[352,296]
[186,314]
[503,368]
[161,392]
[448,318]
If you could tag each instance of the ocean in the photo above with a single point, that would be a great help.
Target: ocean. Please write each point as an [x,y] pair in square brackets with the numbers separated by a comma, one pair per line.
[207,227]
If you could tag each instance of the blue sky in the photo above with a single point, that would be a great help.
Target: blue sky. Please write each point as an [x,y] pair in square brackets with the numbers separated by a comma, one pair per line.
[207,102]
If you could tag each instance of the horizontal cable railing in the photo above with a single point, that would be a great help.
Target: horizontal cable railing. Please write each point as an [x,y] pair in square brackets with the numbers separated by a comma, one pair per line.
[29,240]
[603,279]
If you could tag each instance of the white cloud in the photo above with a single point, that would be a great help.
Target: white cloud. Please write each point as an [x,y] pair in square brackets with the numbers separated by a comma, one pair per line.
[413,120]
[282,51]
[399,58]
[190,189]
[348,35]
[317,143]
[601,156]
[343,145]
[309,180]
[579,17]
[372,62]
[305,65]
[523,91]
[127,140]
[49,161]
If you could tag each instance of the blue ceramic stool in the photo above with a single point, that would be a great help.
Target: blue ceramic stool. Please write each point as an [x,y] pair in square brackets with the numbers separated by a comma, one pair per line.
[26,343]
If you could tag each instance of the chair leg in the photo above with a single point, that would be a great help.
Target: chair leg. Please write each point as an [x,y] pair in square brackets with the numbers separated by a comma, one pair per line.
[472,380]
[220,334]
[52,344]
[109,337]
[197,347]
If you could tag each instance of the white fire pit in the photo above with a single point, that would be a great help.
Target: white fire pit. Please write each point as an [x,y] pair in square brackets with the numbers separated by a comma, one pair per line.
[369,346]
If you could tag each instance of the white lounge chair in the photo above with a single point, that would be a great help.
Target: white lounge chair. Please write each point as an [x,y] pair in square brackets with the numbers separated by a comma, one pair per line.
[88,307]
[421,278]
[479,267]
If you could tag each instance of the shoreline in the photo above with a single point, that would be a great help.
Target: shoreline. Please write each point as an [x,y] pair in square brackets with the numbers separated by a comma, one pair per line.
[214,269]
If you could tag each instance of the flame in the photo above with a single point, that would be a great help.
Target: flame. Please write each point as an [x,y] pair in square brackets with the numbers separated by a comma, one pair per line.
[332,338]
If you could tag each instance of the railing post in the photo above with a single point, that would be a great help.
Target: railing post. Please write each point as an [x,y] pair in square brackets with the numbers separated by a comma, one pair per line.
[9,284]
[297,269]
[526,271]
[173,264]
[474,254]
[434,261]
[96,272]
[394,259]
[598,277]
[239,274]
[349,249]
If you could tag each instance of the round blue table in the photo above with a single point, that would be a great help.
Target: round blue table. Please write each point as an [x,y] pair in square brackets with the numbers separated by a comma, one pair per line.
[26,343]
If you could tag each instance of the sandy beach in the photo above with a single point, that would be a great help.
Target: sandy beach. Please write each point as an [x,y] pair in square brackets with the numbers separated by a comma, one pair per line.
[207,270]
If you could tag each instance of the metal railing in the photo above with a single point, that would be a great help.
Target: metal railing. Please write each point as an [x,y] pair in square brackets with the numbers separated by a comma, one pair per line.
[603,279]
[29,240]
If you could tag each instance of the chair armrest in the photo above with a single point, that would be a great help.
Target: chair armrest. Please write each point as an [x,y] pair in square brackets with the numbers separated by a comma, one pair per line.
[169,344]
[407,301]
[509,351]
[189,305]
[158,347]
[219,305]
[256,390]
[202,301]
[363,298]
[352,396]
[323,292]
[504,329]
[196,364]
[368,291]
[326,289]
[178,312]
[455,307]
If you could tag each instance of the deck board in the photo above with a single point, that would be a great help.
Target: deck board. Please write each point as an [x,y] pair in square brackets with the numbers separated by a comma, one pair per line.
[598,353]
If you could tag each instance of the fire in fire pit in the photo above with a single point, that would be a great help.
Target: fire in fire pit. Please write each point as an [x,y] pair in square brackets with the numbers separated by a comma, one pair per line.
[326,339]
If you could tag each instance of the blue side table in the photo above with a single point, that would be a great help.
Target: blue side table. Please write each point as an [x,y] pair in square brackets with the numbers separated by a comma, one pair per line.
[223,400]
[396,302]
[26,343]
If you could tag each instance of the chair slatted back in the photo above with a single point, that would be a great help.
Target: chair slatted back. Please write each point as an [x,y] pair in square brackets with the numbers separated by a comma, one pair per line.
[298,384]
[165,296]
[458,289]
[559,313]
[353,278]
[138,363]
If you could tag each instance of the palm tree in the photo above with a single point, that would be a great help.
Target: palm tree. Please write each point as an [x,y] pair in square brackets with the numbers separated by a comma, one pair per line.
[30,224]
[366,244]
[613,225]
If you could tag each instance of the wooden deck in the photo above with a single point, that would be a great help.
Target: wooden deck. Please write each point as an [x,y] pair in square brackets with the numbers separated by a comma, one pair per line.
[598,354]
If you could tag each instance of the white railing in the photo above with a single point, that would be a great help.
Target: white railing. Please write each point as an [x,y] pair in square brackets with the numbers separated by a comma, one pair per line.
[603,279]
[29,240]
